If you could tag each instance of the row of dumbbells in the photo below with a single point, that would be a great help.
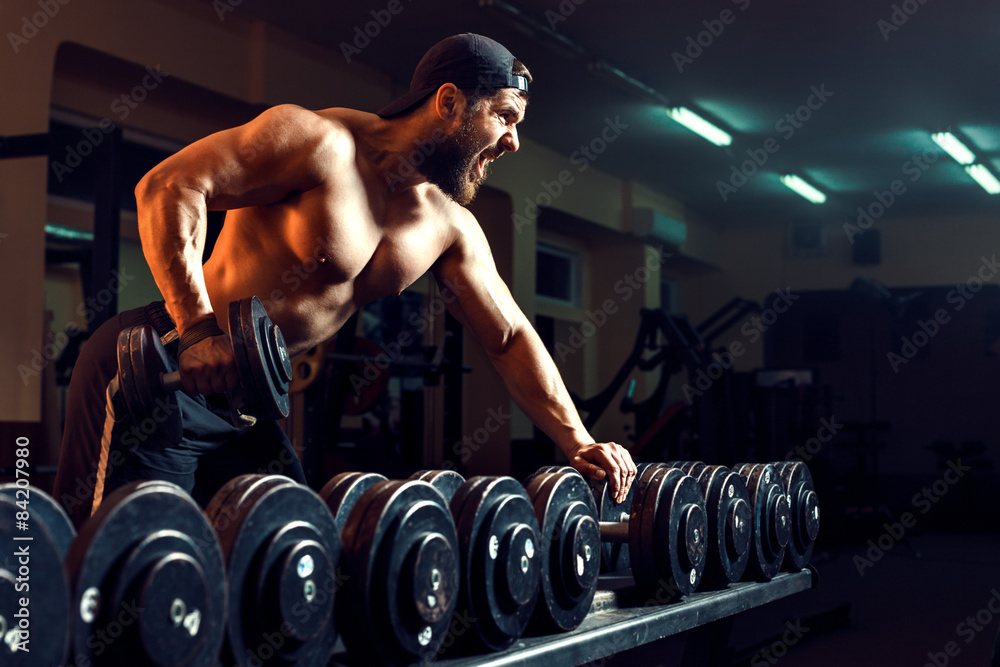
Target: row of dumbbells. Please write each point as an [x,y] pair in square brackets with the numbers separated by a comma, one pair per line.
[683,525]
[271,573]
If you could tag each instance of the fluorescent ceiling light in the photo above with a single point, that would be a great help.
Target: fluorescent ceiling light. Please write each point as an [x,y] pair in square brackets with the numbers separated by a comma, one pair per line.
[955,148]
[984,177]
[68,234]
[699,126]
[802,188]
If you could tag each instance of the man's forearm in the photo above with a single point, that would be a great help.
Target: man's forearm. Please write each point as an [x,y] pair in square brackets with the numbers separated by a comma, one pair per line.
[537,388]
[172,227]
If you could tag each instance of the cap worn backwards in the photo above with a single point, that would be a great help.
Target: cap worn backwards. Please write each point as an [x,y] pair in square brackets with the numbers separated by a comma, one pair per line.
[466,60]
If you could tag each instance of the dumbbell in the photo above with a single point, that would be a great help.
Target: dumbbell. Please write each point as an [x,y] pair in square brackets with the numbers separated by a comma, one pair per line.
[36,534]
[614,555]
[148,390]
[500,566]
[568,549]
[727,503]
[282,551]
[803,505]
[666,530]
[771,522]
[147,581]
[660,530]
[400,557]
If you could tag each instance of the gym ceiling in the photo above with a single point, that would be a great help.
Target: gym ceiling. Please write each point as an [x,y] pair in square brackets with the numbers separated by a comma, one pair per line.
[843,94]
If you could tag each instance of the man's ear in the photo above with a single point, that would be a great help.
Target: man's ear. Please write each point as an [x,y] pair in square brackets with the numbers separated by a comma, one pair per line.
[449,102]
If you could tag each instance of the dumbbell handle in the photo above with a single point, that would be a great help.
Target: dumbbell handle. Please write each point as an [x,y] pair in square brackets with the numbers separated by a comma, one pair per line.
[171,381]
[614,531]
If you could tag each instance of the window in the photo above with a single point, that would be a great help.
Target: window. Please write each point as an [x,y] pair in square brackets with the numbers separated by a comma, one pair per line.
[557,275]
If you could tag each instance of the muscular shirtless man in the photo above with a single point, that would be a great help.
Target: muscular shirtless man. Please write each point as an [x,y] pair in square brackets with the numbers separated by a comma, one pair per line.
[300,184]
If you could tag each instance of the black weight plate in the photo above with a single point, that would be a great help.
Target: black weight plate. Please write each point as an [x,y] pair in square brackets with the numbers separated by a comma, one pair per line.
[44,508]
[261,358]
[31,567]
[779,523]
[500,565]
[569,548]
[693,468]
[547,469]
[142,359]
[462,493]
[803,504]
[282,551]
[148,581]
[641,541]
[670,532]
[727,503]
[643,467]
[342,492]
[770,519]
[445,481]
[614,555]
[401,557]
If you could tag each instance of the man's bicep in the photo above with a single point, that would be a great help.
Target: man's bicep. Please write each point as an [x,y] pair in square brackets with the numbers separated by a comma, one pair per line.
[478,297]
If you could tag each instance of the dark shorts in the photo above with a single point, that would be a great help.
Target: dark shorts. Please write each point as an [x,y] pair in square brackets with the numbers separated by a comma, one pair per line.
[102,449]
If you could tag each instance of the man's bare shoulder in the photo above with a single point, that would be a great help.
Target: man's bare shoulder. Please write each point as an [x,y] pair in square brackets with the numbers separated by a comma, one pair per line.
[326,134]
[465,235]
[348,125]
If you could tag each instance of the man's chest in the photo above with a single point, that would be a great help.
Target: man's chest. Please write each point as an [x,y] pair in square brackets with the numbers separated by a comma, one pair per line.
[381,248]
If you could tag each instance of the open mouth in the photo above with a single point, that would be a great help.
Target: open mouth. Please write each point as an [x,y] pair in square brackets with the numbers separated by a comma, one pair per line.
[484,160]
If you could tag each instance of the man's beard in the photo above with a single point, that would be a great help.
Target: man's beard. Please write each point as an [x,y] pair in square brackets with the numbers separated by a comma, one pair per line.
[452,165]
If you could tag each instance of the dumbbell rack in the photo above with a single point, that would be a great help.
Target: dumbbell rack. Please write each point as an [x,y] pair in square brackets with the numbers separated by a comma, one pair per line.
[619,621]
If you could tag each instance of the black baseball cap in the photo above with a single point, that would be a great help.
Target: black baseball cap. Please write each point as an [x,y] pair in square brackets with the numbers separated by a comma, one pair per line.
[469,61]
